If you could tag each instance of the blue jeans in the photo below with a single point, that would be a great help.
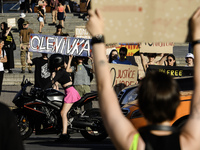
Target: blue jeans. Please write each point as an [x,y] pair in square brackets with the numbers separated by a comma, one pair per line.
[32,7]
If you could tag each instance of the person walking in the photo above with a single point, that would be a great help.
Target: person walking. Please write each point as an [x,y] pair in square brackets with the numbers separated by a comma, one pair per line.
[67,7]
[61,14]
[3,59]
[41,18]
[33,2]
[24,45]
[158,99]
[54,10]
[8,47]
[20,21]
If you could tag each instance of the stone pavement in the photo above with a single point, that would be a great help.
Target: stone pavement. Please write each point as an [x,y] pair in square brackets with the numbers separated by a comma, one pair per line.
[8,93]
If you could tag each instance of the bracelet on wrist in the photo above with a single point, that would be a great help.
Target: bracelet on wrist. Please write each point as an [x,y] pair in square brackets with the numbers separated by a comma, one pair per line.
[97,39]
[195,42]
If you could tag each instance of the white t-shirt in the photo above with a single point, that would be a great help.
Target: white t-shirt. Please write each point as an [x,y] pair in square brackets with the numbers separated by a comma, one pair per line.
[1,64]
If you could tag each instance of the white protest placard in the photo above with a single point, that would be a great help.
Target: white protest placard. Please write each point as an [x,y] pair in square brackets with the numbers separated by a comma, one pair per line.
[81,32]
[123,75]
[59,44]
[11,22]
[146,20]
[157,47]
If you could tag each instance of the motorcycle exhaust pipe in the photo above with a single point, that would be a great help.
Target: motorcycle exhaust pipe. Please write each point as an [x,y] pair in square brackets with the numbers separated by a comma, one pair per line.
[81,124]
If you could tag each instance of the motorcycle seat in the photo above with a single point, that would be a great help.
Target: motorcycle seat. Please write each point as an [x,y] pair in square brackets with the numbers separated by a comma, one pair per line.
[86,97]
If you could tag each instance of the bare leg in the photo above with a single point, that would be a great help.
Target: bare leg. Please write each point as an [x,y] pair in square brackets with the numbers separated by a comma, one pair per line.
[65,109]
[68,8]
[62,23]
[41,26]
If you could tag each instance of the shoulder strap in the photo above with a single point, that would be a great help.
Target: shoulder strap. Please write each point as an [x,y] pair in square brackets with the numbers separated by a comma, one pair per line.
[147,130]
[158,127]
[135,142]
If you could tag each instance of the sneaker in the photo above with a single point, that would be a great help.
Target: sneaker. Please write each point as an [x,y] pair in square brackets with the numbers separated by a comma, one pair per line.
[23,71]
[63,138]
[6,70]
[30,71]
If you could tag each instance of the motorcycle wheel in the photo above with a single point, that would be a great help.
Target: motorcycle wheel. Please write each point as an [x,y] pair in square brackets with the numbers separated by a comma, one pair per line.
[97,133]
[24,126]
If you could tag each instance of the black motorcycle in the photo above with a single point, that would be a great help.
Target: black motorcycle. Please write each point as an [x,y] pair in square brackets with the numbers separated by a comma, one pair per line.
[39,110]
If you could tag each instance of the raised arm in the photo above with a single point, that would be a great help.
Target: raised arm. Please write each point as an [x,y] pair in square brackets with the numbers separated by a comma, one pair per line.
[68,69]
[118,127]
[144,63]
[92,63]
[7,31]
[191,131]
[163,58]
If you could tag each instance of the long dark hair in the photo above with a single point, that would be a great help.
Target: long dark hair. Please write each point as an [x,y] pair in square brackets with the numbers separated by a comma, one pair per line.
[171,55]
[110,55]
[5,25]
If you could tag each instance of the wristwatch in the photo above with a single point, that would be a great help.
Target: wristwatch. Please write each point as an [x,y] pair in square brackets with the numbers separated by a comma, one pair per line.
[195,42]
[97,39]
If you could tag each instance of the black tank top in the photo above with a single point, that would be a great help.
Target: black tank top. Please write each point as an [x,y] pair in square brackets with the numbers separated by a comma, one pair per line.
[154,142]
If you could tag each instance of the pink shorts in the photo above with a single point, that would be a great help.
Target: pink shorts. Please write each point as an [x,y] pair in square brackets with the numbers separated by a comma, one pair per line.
[71,95]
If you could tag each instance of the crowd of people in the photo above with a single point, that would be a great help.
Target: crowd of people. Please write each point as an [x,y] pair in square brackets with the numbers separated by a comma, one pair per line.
[74,75]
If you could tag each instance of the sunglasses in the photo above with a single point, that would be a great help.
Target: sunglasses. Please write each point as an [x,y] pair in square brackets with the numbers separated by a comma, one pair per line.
[122,54]
[169,60]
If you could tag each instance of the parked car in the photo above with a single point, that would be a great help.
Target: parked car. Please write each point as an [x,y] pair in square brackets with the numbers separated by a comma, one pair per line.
[128,101]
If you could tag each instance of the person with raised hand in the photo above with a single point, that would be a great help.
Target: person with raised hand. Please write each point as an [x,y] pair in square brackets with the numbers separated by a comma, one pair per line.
[158,93]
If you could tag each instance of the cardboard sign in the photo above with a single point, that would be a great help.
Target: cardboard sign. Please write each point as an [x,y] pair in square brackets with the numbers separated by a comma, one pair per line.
[132,48]
[123,75]
[11,22]
[158,47]
[59,44]
[81,32]
[174,71]
[146,20]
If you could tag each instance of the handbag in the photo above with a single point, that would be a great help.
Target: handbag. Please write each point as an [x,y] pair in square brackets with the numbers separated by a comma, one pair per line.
[14,45]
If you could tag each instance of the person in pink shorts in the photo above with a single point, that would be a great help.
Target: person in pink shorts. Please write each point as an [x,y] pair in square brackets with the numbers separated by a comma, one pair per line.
[56,64]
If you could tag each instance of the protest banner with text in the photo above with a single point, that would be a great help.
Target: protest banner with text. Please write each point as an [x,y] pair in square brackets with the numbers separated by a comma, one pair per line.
[131,47]
[82,32]
[157,47]
[11,22]
[60,44]
[146,20]
[123,75]
[174,71]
